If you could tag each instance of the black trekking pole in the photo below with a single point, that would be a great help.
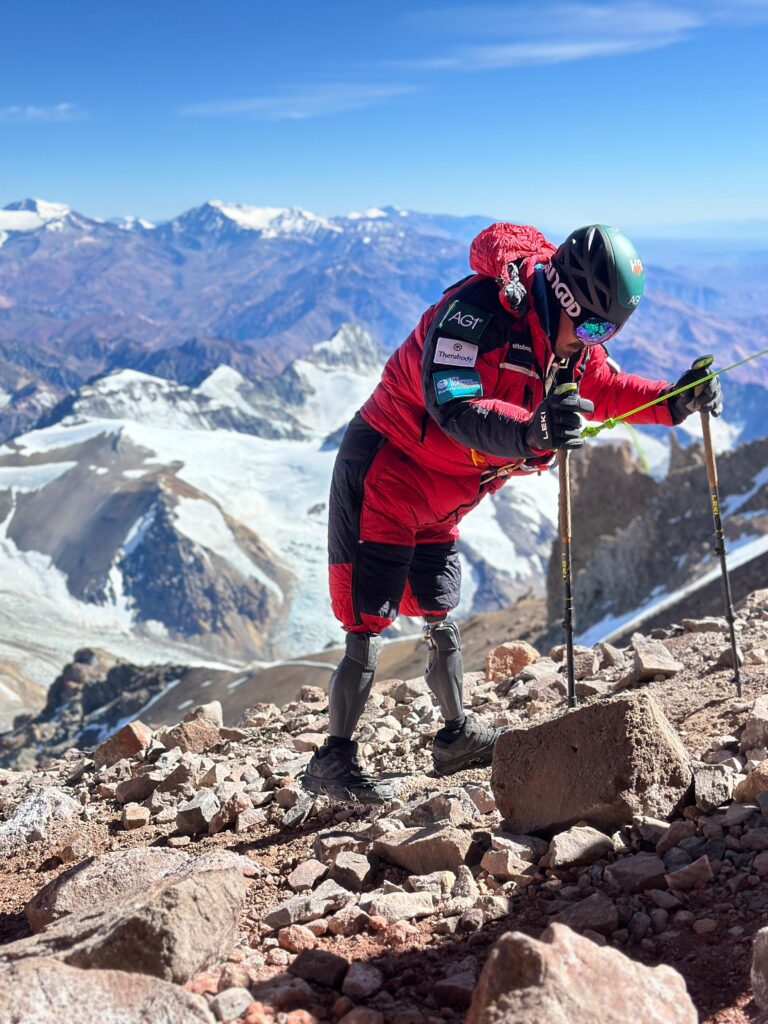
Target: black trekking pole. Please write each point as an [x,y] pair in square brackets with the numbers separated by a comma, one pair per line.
[565,554]
[709,454]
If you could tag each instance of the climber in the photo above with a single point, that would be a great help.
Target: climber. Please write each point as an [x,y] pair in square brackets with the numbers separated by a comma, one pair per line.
[463,403]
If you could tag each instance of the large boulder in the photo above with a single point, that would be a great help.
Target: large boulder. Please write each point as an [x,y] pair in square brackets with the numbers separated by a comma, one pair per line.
[45,991]
[172,928]
[567,979]
[602,763]
[90,883]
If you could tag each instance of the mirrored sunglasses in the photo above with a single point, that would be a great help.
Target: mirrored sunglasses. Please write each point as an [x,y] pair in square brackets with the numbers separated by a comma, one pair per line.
[593,330]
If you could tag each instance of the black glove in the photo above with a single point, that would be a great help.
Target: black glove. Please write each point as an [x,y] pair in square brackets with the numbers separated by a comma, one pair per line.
[556,422]
[704,398]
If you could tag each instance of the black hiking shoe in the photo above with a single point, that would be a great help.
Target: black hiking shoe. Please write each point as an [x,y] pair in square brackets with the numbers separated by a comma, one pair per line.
[336,771]
[471,746]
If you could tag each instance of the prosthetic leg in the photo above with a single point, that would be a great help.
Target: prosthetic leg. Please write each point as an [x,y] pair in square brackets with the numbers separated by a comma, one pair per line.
[463,741]
[335,769]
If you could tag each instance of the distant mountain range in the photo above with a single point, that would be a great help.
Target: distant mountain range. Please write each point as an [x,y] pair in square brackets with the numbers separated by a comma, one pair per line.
[172,397]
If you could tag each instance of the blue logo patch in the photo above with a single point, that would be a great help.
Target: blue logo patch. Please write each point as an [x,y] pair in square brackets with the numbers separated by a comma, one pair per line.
[450,384]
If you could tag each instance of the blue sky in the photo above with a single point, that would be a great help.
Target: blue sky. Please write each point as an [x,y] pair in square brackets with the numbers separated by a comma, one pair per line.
[553,113]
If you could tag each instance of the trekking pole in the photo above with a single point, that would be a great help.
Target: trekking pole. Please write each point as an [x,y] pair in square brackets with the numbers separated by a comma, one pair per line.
[565,555]
[709,455]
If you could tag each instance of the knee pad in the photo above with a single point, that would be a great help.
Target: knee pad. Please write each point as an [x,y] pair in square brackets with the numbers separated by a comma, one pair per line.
[443,635]
[364,648]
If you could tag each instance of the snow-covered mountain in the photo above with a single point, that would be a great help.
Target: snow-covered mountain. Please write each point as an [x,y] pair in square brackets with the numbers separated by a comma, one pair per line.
[161,520]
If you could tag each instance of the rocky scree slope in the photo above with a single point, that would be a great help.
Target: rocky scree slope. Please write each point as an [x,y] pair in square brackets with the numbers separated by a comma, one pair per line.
[185,868]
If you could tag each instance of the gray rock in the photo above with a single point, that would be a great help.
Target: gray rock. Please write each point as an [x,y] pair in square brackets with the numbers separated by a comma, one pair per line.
[351,870]
[45,991]
[327,898]
[676,833]
[456,990]
[400,906]
[232,1002]
[305,874]
[172,929]
[651,659]
[713,786]
[37,818]
[596,912]
[423,850]
[553,775]
[578,845]
[195,816]
[706,625]
[637,873]
[755,732]
[320,966]
[100,879]
[759,971]
[362,980]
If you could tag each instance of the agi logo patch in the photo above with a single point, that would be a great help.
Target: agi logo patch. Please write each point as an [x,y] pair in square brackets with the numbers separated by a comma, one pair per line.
[461,320]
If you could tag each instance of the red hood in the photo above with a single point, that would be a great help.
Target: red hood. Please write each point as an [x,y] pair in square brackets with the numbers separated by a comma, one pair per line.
[501,244]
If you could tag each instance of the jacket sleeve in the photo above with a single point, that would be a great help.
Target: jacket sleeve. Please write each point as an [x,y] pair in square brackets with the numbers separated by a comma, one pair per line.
[459,398]
[615,393]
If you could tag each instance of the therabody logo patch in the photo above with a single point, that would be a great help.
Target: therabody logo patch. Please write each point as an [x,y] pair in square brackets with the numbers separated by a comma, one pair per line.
[455,353]
[462,320]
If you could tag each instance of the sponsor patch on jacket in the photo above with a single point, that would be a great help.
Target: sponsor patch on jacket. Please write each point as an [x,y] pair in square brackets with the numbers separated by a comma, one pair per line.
[454,352]
[519,353]
[450,384]
[461,320]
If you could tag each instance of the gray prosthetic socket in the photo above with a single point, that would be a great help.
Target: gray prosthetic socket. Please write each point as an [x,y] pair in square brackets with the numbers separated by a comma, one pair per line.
[445,670]
[351,683]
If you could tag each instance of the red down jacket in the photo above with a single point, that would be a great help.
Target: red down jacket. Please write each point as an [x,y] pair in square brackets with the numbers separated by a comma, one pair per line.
[471,342]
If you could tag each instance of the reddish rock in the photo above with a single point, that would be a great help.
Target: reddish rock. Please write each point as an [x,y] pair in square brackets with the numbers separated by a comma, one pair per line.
[295,938]
[508,660]
[747,791]
[135,816]
[567,979]
[692,876]
[130,740]
[196,736]
[602,763]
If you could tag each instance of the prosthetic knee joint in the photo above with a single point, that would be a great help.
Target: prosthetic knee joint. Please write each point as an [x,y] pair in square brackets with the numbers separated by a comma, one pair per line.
[445,671]
[351,683]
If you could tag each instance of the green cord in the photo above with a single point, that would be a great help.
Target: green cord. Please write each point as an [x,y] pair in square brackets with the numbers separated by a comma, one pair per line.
[592,430]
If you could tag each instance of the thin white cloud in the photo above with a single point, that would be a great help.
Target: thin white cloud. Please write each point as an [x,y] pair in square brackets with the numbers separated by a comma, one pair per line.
[31,113]
[485,58]
[493,36]
[299,105]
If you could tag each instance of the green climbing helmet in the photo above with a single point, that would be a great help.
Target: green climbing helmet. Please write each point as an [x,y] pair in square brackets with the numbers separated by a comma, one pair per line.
[597,277]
